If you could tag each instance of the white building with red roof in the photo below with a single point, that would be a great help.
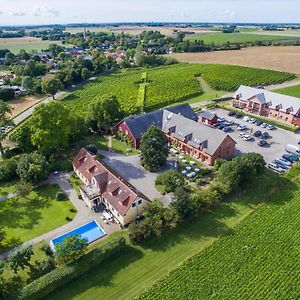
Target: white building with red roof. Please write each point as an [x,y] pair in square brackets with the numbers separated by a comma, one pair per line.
[102,186]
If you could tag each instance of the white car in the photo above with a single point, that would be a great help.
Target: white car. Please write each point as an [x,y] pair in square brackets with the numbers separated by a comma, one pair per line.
[242,134]
[188,168]
[190,175]
[183,172]
[264,125]
[197,170]
[252,120]
[246,118]
[270,127]
[247,137]
[242,127]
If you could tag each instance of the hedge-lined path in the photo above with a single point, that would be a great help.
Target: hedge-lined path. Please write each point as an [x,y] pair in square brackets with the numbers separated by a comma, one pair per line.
[84,214]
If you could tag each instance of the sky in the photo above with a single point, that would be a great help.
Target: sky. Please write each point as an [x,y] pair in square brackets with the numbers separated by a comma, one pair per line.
[26,12]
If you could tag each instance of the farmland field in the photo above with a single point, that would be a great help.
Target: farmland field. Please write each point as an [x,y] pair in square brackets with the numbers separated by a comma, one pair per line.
[27,43]
[290,91]
[168,85]
[285,58]
[223,38]
[260,260]
[127,275]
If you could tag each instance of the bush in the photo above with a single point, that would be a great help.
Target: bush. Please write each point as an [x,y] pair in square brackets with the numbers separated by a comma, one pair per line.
[60,196]
[57,278]
[8,169]
[170,180]
[7,94]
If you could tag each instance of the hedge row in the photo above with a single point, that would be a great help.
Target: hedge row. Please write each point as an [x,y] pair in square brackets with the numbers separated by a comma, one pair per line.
[59,277]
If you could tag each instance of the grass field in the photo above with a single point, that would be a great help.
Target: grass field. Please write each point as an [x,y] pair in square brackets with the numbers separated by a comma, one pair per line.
[25,218]
[290,91]
[260,260]
[7,188]
[223,38]
[27,43]
[168,85]
[126,275]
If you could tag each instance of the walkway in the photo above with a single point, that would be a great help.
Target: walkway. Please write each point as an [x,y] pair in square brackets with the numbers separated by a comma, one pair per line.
[84,214]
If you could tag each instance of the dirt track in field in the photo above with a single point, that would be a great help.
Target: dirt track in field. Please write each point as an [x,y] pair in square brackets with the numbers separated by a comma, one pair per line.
[275,58]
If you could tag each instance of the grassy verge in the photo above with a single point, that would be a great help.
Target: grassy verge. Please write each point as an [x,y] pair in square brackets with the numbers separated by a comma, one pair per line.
[7,188]
[23,218]
[126,275]
[293,91]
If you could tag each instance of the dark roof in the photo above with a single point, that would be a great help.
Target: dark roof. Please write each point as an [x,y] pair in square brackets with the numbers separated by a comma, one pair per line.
[207,115]
[139,124]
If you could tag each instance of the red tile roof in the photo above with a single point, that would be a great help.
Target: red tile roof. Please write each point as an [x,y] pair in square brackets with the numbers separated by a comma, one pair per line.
[114,189]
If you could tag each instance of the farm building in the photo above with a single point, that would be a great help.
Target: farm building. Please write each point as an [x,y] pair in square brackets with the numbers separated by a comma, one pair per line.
[103,187]
[208,118]
[265,103]
[197,140]
[134,127]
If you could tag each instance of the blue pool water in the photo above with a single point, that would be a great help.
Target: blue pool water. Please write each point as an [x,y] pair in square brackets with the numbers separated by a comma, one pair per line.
[90,231]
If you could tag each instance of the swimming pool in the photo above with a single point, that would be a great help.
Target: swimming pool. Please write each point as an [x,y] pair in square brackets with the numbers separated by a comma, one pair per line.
[91,232]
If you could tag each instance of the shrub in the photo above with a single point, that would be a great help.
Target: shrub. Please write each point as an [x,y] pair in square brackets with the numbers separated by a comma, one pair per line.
[57,278]
[170,180]
[60,196]
[8,169]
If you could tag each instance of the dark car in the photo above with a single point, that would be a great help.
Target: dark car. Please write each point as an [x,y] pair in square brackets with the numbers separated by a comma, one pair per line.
[257,133]
[238,116]
[221,126]
[227,129]
[265,135]
[290,158]
[258,123]
[262,143]
[231,113]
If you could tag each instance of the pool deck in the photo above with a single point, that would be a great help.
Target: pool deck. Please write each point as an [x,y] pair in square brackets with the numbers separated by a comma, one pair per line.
[84,215]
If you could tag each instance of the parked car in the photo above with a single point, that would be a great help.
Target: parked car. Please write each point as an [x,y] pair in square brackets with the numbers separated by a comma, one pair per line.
[265,135]
[238,116]
[264,125]
[252,120]
[274,167]
[286,162]
[247,137]
[262,143]
[246,119]
[258,123]
[280,164]
[229,122]
[227,129]
[271,127]
[242,134]
[242,127]
[221,126]
[291,157]
[257,133]
[221,119]
[292,149]
[231,113]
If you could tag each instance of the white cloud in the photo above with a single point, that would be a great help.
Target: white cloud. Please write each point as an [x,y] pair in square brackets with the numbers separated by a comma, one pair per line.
[17,13]
[1,12]
[46,12]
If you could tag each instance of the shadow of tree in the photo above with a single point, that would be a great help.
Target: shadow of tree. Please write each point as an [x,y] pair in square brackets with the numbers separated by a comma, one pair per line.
[101,275]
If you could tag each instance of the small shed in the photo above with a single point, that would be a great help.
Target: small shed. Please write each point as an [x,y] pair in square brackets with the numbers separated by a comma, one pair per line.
[207,118]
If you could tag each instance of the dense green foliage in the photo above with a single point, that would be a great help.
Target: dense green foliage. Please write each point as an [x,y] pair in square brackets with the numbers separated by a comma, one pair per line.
[170,180]
[154,149]
[257,261]
[7,94]
[59,277]
[72,248]
[169,84]
[8,169]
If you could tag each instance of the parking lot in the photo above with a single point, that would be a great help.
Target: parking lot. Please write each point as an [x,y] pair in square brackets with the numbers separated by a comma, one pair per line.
[276,143]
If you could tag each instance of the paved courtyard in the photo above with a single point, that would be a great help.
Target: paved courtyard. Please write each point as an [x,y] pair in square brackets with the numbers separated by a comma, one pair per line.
[280,138]
[130,168]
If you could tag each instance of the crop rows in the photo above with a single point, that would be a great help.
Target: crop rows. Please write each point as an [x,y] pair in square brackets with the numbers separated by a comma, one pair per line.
[166,85]
[260,260]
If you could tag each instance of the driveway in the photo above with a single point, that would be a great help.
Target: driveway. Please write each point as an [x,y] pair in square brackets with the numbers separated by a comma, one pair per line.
[129,168]
[280,138]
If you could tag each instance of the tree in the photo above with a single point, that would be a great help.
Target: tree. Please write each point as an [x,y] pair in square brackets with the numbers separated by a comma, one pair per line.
[171,180]
[9,58]
[24,55]
[154,149]
[86,73]
[52,86]
[32,168]
[52,125]
[55,50]
[7,94]
[8,169]
[4,120]
[20,259]
[23,188]
[103,112]
[72,248]
[28,84]
[22,137]
[34,69]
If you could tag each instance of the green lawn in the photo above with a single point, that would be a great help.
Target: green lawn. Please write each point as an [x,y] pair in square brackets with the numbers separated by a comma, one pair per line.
[260,260]
[138,268]
[290,91]
[223,38]
[7,188]
[25,218]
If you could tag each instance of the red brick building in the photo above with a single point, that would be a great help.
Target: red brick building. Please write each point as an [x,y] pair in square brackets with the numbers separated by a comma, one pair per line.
[207,118]
[268,104]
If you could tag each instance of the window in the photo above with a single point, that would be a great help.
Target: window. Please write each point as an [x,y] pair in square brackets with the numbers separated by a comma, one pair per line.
[133,204]
[126,132]
[112,209]
[140,202]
